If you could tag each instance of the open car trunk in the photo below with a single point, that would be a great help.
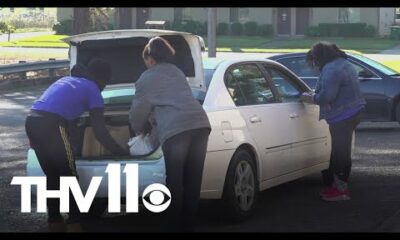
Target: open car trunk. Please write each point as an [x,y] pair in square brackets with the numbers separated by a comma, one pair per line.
[123,49]
[87,147]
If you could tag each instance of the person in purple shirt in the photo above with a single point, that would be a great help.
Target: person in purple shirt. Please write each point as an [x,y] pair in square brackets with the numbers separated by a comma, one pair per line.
[341,105]
[47,127]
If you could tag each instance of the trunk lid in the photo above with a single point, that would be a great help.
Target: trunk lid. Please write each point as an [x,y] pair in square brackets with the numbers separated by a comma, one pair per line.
[123,49]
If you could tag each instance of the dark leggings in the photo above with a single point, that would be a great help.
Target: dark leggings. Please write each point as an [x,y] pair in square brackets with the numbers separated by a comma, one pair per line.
[341,134]
[184,156]
[48,137]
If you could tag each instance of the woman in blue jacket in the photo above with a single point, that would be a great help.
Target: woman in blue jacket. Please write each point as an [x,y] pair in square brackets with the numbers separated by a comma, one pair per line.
[341,105]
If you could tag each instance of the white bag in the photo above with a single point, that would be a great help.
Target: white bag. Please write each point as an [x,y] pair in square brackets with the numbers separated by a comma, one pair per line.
[140,145]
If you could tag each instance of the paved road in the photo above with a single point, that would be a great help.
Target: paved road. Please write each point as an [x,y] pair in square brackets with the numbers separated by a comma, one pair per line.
[64,52]
[16,36]
[291,207]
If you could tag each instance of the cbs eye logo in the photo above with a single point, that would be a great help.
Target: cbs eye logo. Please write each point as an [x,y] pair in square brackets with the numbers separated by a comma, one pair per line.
[156,197]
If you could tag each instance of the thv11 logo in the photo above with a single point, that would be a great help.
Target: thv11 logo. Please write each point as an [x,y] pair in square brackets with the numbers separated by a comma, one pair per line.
[156,197]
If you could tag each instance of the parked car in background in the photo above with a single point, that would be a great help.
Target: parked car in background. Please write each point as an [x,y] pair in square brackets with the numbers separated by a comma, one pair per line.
[379,84]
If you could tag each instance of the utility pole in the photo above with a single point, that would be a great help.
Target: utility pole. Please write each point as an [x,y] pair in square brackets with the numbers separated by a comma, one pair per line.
[212,32]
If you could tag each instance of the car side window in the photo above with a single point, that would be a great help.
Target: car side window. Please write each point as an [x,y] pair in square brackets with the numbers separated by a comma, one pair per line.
[247,85]
[363,72]
[299,66]
[288,90]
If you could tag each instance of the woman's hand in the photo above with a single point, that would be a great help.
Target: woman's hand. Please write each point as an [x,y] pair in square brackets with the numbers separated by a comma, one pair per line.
[307,97]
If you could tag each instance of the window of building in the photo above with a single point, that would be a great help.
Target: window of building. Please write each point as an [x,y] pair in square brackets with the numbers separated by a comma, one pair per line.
[183,14]
[178,14]
[187,14]
[239,15]
[233,14]
[243,15]
[349,15]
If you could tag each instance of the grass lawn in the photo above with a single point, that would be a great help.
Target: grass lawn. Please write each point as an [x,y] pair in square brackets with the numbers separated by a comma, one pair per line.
[263,44]
[44,41]
[224,44]
[242,44]
[25,30]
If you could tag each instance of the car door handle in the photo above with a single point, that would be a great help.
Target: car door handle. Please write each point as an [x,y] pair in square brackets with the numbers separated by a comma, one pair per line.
[255,119]
[293,115]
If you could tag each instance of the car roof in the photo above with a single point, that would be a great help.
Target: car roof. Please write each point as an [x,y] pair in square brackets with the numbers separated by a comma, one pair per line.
[301,54]
[126,33]
[213,63]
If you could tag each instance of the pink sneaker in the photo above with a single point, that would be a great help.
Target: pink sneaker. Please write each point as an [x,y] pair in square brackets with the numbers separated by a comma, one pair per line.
[334,194]
[325,190]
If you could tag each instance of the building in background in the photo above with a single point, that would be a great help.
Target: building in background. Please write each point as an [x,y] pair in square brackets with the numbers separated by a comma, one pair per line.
[285,21]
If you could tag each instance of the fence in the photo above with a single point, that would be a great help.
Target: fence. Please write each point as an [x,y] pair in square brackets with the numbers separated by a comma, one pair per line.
[31,74]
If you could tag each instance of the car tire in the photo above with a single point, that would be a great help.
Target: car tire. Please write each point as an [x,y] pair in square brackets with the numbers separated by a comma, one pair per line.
[99,206]
[241,187]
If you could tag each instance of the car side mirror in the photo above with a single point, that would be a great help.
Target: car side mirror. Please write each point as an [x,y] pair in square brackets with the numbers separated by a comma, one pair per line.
[365,74]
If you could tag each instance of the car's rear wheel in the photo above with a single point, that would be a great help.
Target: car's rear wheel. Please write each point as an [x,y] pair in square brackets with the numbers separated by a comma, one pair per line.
[241,187]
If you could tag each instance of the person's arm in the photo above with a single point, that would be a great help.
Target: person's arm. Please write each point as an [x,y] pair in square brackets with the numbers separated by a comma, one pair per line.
[140,110]
[330,83]
[102,134]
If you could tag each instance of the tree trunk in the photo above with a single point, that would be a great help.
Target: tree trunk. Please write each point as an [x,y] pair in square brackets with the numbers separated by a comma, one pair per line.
[81,20]
[125,18]
[212,32]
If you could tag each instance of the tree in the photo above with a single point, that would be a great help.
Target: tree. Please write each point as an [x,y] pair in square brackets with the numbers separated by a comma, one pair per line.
[81,20]
[125,18]
[7,28]
[100,19]
[212,32]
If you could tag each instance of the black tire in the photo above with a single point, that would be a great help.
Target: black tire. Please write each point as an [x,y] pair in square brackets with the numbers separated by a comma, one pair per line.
[236,211]
[97,209]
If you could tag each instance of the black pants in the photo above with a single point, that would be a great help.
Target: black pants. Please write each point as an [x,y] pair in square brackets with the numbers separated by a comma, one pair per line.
[48,136]
[184,156]
[341,135]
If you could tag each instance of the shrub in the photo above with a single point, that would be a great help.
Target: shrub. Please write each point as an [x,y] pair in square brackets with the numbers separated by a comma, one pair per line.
[202,28]
[312,31]
[345,30]
[222,28]
[236,28]
[177,26]
[250,28]
[191,26]
[64,27]
[370,31]
[266,30]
